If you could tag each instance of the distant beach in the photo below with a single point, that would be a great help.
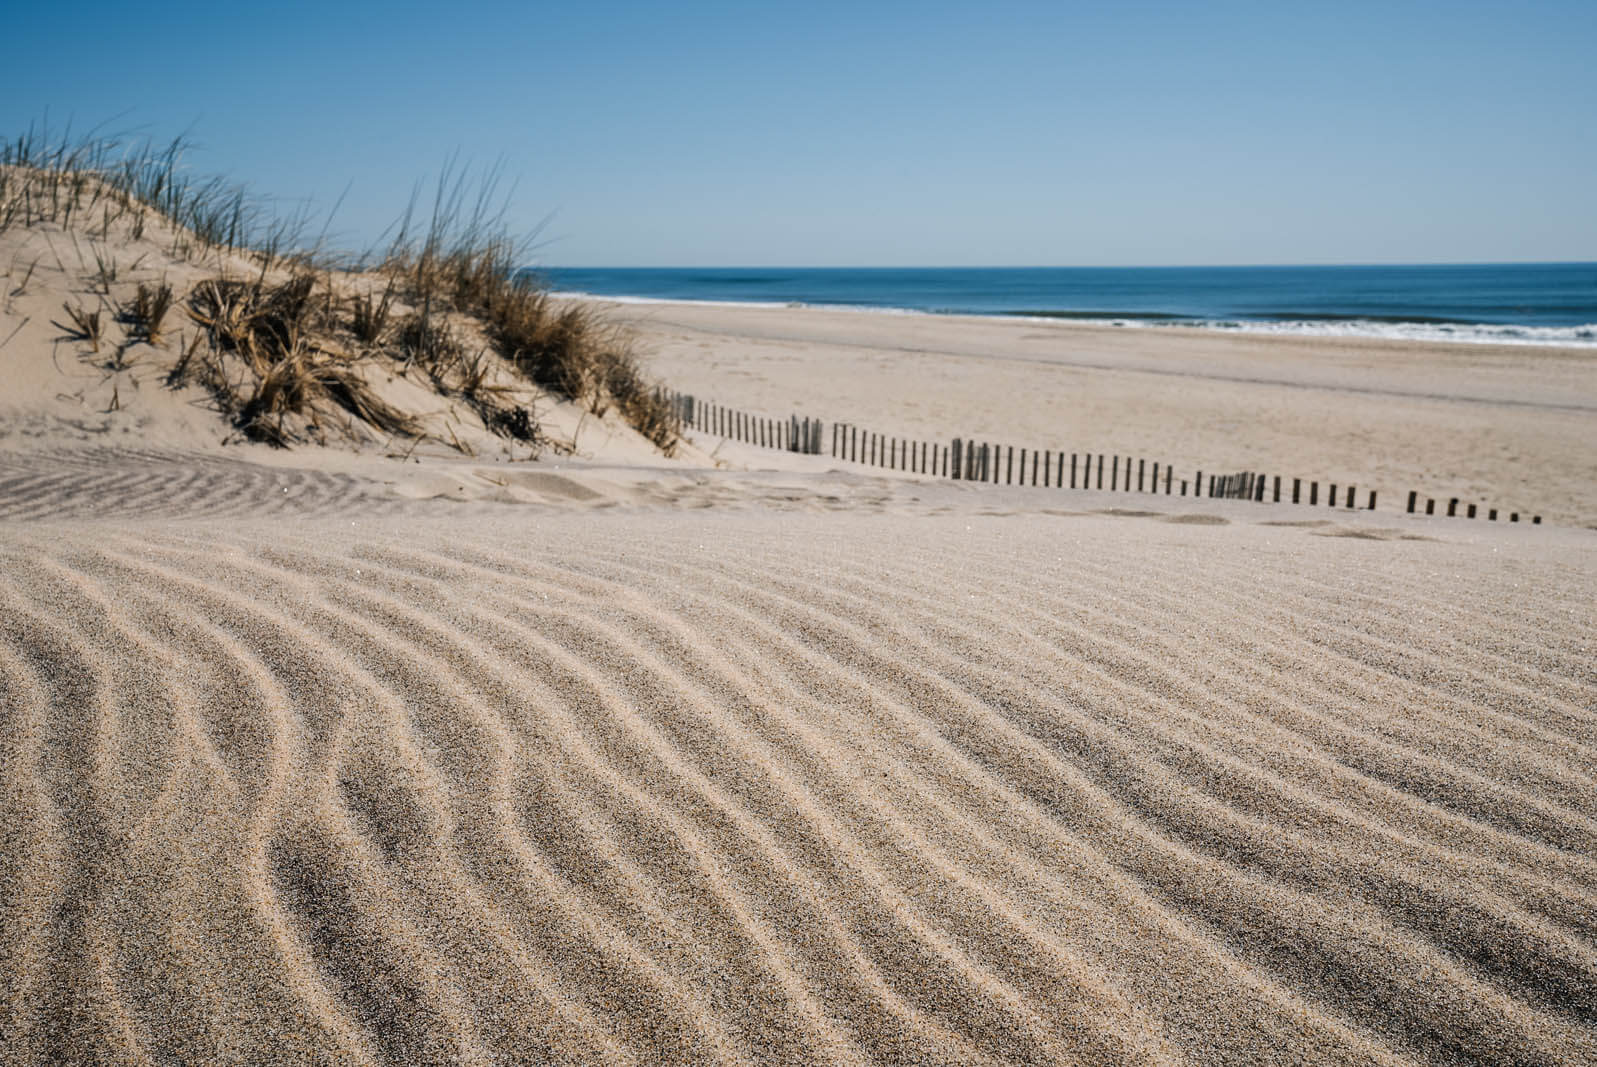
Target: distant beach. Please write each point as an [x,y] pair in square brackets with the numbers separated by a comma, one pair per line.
[1516,303]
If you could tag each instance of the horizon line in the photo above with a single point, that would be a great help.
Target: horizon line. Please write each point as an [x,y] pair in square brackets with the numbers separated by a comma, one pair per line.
[1075,266]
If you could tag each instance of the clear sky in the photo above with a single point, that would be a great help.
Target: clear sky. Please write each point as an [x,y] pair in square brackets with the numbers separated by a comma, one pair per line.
[845,134]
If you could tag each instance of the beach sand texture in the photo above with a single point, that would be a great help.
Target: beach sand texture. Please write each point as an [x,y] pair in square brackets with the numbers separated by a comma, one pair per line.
[784,768]
[740,756]
[1512,426]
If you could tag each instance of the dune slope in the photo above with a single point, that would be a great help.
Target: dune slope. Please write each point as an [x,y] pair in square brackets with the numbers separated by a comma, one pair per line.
[389,781]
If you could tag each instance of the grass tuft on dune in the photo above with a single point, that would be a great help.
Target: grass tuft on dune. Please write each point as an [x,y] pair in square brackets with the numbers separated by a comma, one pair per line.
[292,334]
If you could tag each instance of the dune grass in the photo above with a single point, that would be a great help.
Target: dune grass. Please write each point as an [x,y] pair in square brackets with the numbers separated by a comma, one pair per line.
[146,314]
[465,257]
[460,258]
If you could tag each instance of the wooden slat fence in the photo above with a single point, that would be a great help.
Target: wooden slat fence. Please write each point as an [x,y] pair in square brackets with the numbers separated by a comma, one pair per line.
[988,463]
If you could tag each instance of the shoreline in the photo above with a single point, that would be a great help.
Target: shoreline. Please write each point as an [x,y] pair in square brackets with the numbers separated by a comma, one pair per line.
[1500,423]
[1340,329]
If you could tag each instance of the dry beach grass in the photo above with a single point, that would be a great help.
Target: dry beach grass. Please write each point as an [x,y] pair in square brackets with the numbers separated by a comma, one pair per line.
[729,756]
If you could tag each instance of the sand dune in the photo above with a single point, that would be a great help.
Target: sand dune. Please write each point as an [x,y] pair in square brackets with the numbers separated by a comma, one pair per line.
[458,780]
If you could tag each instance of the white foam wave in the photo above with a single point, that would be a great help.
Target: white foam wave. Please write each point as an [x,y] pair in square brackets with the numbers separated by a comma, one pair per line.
[1464,333]
[1583,336]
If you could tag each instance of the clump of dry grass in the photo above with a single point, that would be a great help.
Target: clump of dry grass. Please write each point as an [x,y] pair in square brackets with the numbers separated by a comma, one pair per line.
[369,314]
[427,341]
[286,372]
[85,325]
[147,313]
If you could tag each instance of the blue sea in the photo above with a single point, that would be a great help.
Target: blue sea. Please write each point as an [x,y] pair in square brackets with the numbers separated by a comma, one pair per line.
[1520,303]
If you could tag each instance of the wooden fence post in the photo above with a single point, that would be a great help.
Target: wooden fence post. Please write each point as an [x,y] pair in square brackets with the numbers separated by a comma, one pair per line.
[1452,507]
[1297,487]
[958,444]
[1471,511]
[1332,502]
[1183,487]
[1314,493]
[1492,515]
[1412,497]
[1430,506]
[1275,491]
[1009,466]
[1372,500]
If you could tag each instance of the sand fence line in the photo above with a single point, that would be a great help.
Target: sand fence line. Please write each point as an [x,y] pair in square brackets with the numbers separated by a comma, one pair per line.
[987,463]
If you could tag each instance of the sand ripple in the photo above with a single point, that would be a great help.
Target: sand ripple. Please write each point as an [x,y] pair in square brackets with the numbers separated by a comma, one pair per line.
[661,787]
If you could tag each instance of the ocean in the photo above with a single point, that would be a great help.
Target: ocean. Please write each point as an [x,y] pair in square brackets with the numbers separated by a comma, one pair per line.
[1519,303]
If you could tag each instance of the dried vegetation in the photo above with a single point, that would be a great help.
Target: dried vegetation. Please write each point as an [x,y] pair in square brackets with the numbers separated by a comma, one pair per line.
[296,345]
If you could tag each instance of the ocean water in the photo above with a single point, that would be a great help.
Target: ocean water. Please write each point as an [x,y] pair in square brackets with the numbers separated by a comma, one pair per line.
[1519,303]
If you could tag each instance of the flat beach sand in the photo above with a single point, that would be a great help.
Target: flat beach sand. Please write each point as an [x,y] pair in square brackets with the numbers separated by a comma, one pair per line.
[755,758]
[1512,424]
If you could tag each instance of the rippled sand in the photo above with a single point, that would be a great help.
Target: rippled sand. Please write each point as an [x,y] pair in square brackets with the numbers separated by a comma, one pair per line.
[328,774]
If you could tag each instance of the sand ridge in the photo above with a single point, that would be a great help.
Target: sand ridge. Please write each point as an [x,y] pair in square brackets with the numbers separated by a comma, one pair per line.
[751,783]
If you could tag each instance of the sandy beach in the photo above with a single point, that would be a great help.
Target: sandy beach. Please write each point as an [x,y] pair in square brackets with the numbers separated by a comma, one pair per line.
[1512,424]
[443,753]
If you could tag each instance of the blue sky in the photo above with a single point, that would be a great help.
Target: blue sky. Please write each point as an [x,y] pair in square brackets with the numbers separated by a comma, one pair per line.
[878,134]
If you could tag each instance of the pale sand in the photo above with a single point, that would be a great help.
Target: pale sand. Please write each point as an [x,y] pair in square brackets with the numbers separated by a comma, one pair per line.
[299,767]
[321,757]
[1513,427]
